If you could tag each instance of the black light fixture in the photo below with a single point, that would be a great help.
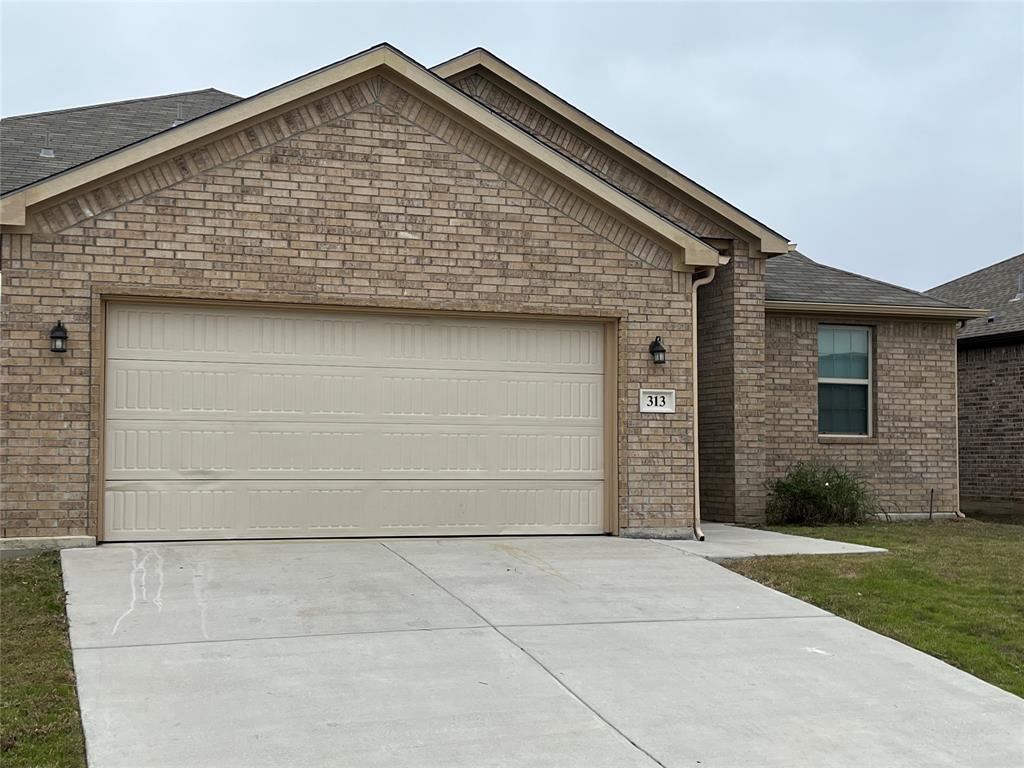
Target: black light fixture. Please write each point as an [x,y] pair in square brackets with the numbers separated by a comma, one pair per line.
[657,350]
[59,338]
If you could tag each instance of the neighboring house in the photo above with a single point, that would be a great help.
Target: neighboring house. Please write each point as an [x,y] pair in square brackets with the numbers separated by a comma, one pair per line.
[991,386]
[385,300]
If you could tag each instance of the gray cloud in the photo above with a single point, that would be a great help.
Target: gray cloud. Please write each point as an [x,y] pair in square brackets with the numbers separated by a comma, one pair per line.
[887,138]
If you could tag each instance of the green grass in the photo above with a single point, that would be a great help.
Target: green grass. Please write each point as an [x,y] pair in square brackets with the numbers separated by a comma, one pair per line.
[951,588]
[39,721]
[1006,517]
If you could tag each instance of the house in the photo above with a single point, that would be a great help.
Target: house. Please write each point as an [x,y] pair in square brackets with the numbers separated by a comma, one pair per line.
[385,300]
[990,380]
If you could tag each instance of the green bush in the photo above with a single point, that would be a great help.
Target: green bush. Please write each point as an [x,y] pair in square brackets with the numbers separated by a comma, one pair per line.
[818,494]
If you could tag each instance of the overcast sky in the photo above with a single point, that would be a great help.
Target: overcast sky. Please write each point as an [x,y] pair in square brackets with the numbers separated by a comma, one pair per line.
[884,138]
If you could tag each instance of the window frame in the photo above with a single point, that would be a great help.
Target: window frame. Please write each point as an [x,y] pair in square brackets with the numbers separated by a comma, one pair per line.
[869,381]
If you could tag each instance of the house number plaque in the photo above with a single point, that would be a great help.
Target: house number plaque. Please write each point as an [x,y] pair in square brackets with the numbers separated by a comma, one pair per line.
[657,401]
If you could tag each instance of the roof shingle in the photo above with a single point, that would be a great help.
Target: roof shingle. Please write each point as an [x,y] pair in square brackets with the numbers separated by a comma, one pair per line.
[794,277]
[994,289]
[84,133]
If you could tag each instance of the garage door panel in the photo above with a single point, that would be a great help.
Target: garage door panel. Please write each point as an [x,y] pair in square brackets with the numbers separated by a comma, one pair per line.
[177,450]
[184,510]
[237,422]
[237,335]
[150,389]
[178,333]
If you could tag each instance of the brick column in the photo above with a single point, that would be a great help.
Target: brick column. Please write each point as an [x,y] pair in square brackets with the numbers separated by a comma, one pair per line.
[749,387]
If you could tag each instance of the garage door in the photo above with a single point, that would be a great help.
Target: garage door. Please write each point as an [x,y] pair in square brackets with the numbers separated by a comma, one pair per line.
[245,423]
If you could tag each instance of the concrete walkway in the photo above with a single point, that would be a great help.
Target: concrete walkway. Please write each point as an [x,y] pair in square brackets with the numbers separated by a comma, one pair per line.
[729,542]
[560,652]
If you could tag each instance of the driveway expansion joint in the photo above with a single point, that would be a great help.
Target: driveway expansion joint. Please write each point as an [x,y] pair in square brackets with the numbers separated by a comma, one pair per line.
[602,622]
[561,683]
[216,641]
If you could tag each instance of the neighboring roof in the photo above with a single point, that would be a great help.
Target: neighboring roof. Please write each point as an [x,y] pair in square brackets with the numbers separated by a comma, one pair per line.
[994,288]
[795,282]
[479,58]
[84,133]
[691,249]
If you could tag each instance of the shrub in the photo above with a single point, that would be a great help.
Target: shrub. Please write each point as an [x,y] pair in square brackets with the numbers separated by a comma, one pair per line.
[818,494]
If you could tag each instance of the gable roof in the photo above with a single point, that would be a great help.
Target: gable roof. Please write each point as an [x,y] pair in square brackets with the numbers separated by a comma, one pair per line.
[689,249]
[993,287]
[796,283]
[480,59]
[81,134]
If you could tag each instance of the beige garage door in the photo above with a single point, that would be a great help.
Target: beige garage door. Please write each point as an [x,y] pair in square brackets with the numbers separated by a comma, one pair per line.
[254,423]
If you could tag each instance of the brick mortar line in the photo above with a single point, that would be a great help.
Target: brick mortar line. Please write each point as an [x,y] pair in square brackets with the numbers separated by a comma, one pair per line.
[533,194]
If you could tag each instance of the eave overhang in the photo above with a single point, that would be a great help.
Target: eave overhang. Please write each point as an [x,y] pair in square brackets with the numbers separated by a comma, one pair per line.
[768,240]
[880,310]
[691,252]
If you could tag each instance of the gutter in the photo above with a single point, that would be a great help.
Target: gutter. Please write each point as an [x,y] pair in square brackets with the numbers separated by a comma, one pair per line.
[819,308]
[709,275]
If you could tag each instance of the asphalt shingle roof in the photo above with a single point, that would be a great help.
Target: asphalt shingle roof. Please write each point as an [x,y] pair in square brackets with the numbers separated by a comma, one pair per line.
[794,277]
[84,133]
[992,288]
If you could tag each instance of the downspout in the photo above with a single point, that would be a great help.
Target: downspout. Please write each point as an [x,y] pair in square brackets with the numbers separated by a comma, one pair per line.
[698,533]
[956,411]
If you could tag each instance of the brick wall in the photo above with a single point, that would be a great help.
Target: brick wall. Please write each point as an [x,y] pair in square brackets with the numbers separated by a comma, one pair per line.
[365,197]
[715,396]
[991,400]
[732,338]
[749,435]
[913,446]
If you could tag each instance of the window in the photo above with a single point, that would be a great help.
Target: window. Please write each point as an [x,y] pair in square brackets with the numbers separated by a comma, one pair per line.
[844,380]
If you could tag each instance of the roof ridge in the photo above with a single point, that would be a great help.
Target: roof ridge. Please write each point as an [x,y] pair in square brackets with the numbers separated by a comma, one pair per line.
[975,272]
[474,49]
[117,103]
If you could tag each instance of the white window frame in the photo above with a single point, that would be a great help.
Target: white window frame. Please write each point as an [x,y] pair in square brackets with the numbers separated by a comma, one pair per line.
[868,381]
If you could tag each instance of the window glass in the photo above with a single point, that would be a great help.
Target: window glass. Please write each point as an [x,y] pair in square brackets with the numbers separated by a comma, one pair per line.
[844,390]
[842,353]
[842,409]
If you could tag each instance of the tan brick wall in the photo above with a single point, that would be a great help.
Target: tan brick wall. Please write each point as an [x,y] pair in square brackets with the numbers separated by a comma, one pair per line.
[913,446]
[731,339]
[749,434]
[991,402]
[375,201]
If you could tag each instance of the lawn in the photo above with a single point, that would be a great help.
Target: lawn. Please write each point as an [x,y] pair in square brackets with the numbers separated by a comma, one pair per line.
[39,721]
[951,588]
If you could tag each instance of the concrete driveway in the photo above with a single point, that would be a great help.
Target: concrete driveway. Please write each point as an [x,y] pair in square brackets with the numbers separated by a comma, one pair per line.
[559,652]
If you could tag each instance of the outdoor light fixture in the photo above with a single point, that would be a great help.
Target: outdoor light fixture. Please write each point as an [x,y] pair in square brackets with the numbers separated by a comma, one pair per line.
[59,338]
[657,350]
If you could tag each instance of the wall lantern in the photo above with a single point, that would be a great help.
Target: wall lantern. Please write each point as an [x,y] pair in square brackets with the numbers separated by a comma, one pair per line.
[657,350]
[59,338]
